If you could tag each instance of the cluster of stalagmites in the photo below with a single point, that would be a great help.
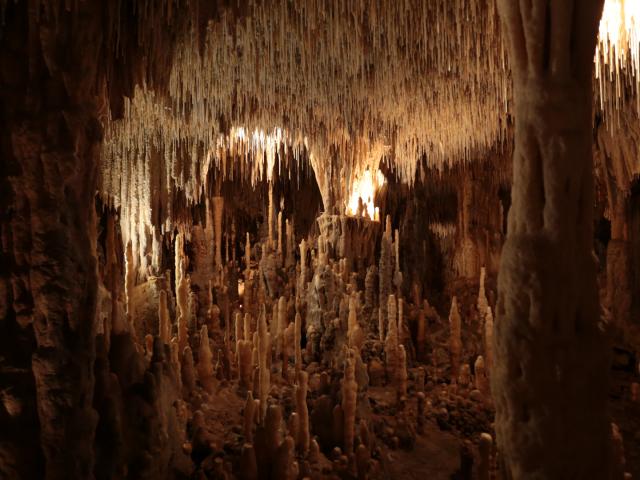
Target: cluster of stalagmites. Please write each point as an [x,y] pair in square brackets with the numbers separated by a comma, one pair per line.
[310,370]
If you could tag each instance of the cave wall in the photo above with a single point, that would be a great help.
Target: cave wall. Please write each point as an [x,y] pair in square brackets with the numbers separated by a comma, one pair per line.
[60,73]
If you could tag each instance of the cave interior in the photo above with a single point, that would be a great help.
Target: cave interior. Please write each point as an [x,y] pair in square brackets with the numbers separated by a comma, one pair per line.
[320,239]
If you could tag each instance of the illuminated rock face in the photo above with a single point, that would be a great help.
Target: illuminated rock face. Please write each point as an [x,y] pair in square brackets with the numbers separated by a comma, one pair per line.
[350,237]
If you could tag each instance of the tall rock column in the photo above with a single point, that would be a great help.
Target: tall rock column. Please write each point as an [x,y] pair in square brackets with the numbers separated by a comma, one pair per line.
[49,138]
[550,368]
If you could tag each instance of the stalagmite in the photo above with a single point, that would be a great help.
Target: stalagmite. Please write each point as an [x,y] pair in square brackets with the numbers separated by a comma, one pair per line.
[218,206]
[349,398]
[482,303]
[618,459]
[247,255]
[176,360]
[283,463]
[148,346]
[280,239]
[397,277]
[164,322]
[314,451]
[182,292]
[298,344]
[385,272]
[281,325]
[249,417]
[402,373]
[455,341]
[130,279]
[270,219]
[362,462]
[188,372]
[248,464]
[264,352]
[420,412]
[246,327]
[355,334]
[206,374]
[369,288]
[303,269]
[391,343]
[300,390]
[238,325]
[290,260]
[488,340]
[464,379]
[245,364]
[481,381]
[484,465]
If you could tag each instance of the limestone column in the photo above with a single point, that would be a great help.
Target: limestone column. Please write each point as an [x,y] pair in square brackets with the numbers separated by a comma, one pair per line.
[550,369]
[49,138]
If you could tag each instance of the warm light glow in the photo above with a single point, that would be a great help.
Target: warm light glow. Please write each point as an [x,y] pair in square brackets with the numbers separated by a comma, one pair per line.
[364,188]
[618,33]
[618,52]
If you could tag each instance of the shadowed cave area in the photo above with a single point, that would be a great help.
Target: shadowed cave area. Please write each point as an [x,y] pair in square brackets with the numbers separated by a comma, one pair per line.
[317,239]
